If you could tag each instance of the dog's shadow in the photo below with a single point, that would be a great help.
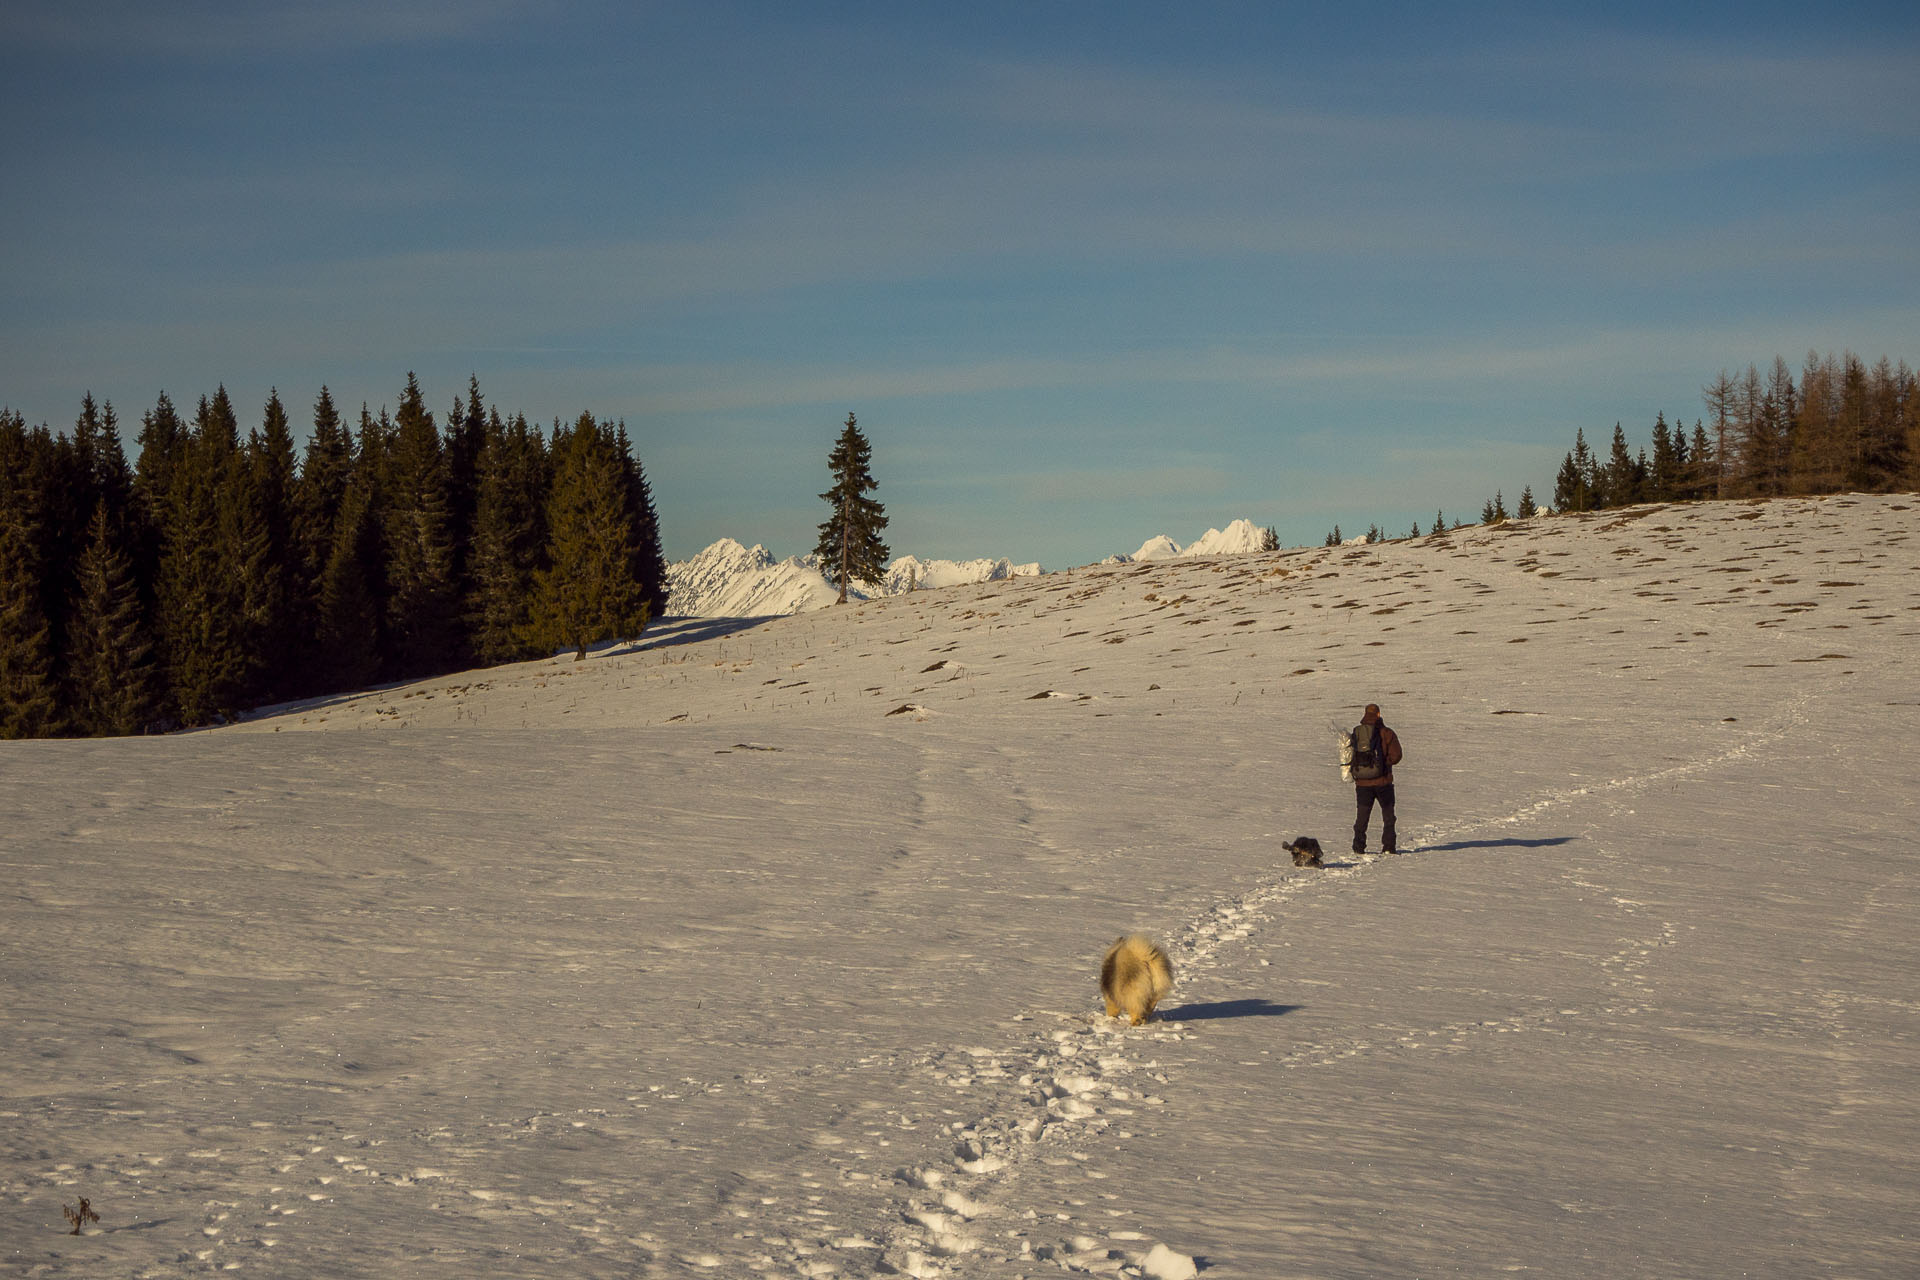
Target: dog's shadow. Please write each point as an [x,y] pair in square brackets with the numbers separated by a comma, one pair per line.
[1251,1008]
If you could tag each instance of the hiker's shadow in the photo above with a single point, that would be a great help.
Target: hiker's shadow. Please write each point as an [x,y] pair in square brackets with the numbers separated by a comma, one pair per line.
[1547,843]
[1253,1008]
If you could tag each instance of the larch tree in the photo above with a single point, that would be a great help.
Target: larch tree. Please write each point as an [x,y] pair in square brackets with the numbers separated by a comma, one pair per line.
[850,544]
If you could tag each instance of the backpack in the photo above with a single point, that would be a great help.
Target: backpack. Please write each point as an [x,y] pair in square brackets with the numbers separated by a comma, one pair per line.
[1369,753]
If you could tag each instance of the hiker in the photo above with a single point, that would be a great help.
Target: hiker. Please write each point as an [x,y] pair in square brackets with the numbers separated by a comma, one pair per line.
[1376,749]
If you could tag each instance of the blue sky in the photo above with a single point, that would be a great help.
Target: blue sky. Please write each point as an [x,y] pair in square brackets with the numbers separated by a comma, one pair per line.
[1086,272]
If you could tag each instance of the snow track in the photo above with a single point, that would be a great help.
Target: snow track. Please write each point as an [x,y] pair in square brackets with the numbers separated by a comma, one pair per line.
[1070,1086]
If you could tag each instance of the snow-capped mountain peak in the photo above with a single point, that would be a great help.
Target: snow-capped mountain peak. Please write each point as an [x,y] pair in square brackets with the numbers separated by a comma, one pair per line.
[731,580]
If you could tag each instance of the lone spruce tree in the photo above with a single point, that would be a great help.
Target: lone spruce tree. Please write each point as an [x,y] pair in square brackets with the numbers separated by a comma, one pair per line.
[850,545]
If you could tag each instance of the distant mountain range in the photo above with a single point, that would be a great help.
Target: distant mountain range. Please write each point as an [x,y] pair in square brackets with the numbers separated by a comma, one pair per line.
[733,581]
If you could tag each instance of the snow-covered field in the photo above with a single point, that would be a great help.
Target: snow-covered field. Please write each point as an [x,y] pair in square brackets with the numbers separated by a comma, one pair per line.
[772,949]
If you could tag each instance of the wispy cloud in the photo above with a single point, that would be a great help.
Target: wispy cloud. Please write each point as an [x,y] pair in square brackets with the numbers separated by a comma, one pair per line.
[217,29]
[1167,482]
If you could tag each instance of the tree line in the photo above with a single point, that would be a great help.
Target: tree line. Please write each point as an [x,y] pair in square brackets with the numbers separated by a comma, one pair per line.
[1841,427]
[216,572]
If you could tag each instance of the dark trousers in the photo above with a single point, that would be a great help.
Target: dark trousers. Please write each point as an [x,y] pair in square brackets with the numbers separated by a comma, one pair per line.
[1365,798]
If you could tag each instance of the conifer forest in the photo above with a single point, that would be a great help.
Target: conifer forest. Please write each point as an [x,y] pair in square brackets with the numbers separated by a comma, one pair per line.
[217,571]
[1843,426]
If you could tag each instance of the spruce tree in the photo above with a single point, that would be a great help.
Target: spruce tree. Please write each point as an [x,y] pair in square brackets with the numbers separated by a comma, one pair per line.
[30,704]
[510,540]
[319,490]
[466,437]
[162,441]
[588,592]
[850,546]
[324,473]
[1573,487]
[1703,467]
[29,696]
[278,593]
[105,475]
[349,600]
[110,668]
[423,601]
[1526,510]
[1664,470]
[204,588]
[649,560]
[1616,487]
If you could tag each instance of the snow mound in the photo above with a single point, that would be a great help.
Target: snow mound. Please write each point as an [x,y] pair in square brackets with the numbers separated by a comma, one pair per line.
[1162,1263]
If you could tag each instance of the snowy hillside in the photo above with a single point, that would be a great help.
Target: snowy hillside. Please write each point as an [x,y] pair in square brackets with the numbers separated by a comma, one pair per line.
[771,949]
[727,580]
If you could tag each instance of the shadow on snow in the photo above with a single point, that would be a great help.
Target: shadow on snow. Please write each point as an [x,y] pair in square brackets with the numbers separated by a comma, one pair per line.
[1497,844]
[670,631]
[1252,1008]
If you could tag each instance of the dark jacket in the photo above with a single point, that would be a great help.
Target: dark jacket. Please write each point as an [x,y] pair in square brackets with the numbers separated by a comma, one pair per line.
[1390,746]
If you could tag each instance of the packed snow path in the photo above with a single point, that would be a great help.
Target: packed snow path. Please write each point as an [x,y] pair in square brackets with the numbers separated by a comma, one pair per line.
[773,951]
